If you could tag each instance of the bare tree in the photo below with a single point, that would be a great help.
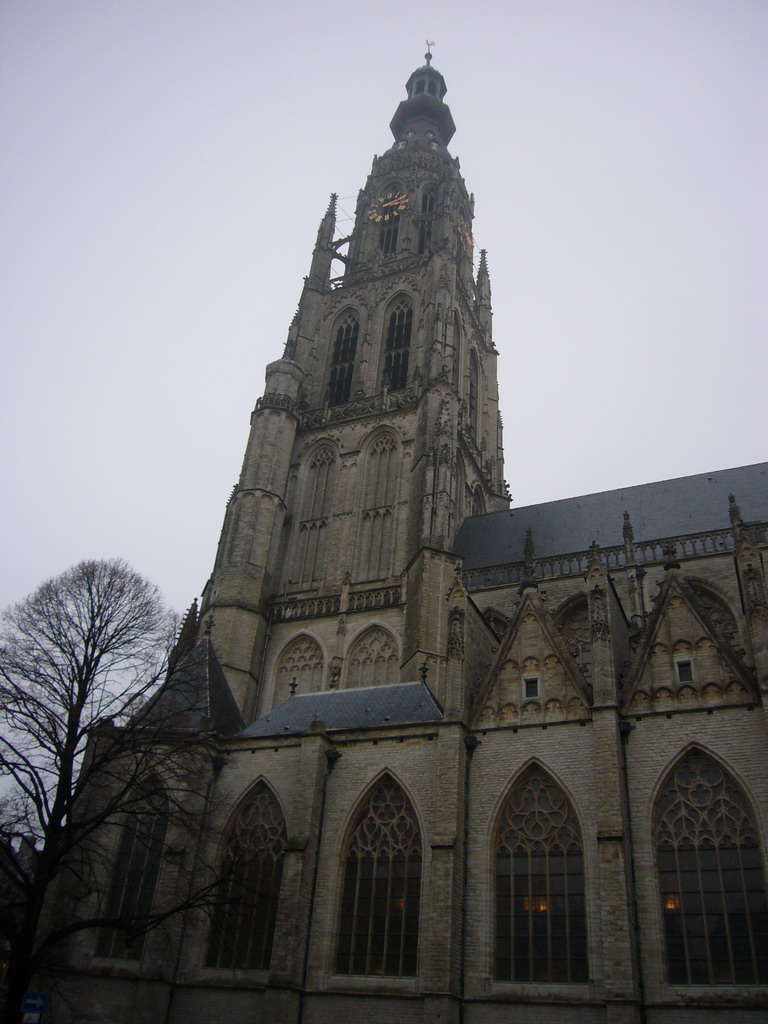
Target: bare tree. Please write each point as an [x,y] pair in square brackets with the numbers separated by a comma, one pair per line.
[91,740]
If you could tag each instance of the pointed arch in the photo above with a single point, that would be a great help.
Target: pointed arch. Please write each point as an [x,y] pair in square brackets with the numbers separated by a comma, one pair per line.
[301,659]
[711,878]
[374,659]
[380,491]
[381,891]
[474,392]
[428,208]
[540,912]
[134,878]
[345,334]
[243,922]
[397,343]
[320,473]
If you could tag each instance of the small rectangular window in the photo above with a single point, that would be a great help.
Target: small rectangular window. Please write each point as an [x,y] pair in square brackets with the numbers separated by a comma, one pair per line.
[684,671]
[531,686]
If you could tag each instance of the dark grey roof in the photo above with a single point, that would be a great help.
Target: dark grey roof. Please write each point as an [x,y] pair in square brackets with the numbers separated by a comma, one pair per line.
[367,706]
[669,508]
[196,695]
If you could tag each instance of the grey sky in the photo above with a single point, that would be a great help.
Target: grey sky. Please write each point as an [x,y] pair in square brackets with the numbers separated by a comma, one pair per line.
[165,164]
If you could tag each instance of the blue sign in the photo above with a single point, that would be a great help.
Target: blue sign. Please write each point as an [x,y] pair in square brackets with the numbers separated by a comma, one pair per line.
[34,1002]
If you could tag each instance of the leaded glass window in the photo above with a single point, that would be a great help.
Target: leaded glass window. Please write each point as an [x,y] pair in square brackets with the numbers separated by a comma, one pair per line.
[541,933]
[244,916]
[343,360]
[379,924]
[132,887]
[398,345]
[711,880]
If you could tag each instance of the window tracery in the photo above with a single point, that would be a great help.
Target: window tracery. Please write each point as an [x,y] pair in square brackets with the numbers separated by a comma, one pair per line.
[379,921]
[428,206]
[397,345]
[377,527]
[134,878]
[711,879]
[374,659]
[243,925]
[540,907]
[301,660]
[343,359]
[318,502]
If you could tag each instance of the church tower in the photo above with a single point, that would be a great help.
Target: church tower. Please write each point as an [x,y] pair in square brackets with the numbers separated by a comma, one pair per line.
[377,433]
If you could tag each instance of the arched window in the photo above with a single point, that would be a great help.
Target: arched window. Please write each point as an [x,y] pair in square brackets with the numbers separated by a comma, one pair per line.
[377,527]
[132,888]
[474,383]
[540,911]
[428,206]
[711,878]
[301,660]
[374,659]
[243,924]
[343,359]
[388,232]
[379,924]
[318,498]
[398,344]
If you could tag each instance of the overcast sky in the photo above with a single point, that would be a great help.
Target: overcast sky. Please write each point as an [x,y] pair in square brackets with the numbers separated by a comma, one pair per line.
[165,165]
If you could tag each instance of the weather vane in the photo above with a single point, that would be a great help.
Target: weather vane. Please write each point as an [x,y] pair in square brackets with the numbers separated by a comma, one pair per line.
[428,54]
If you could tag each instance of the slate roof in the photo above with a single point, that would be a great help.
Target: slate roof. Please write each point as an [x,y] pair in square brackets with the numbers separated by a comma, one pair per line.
[367,706]
[196,690]
[668,508]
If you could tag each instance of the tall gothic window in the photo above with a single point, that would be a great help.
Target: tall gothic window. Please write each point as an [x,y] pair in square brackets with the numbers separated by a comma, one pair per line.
[301,660]
[318,498]
[428,205]
[711,880]
[374,659]
[474,382]
[132,887]
[377,528]
[343,360]
[379,924]
[540,910]
[398,344]
[388,232]
[243,924]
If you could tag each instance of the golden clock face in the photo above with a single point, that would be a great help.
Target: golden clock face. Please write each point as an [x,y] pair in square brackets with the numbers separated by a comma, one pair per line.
[387,206]
[465,236]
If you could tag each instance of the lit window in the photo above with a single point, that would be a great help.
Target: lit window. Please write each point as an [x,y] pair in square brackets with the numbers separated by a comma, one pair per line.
[379,924]
[711,880]
[541,931]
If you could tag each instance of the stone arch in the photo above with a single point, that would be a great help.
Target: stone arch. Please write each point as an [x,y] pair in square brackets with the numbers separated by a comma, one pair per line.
[379,923]
[538,851]
[302,659]
[380,483]
[243,921]
[344,336]
[710,873]
[396,347]
[374,659]
[572,621]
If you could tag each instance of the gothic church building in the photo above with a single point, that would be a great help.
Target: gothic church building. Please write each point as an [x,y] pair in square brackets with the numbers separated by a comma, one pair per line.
[487,764]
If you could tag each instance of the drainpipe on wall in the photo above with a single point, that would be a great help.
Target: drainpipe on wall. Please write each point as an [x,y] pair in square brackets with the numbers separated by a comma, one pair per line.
[471,742]
[625,728]
[217,763]
[332,756]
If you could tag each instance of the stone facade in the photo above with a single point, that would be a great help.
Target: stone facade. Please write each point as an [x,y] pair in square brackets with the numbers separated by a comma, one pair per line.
[577,686]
